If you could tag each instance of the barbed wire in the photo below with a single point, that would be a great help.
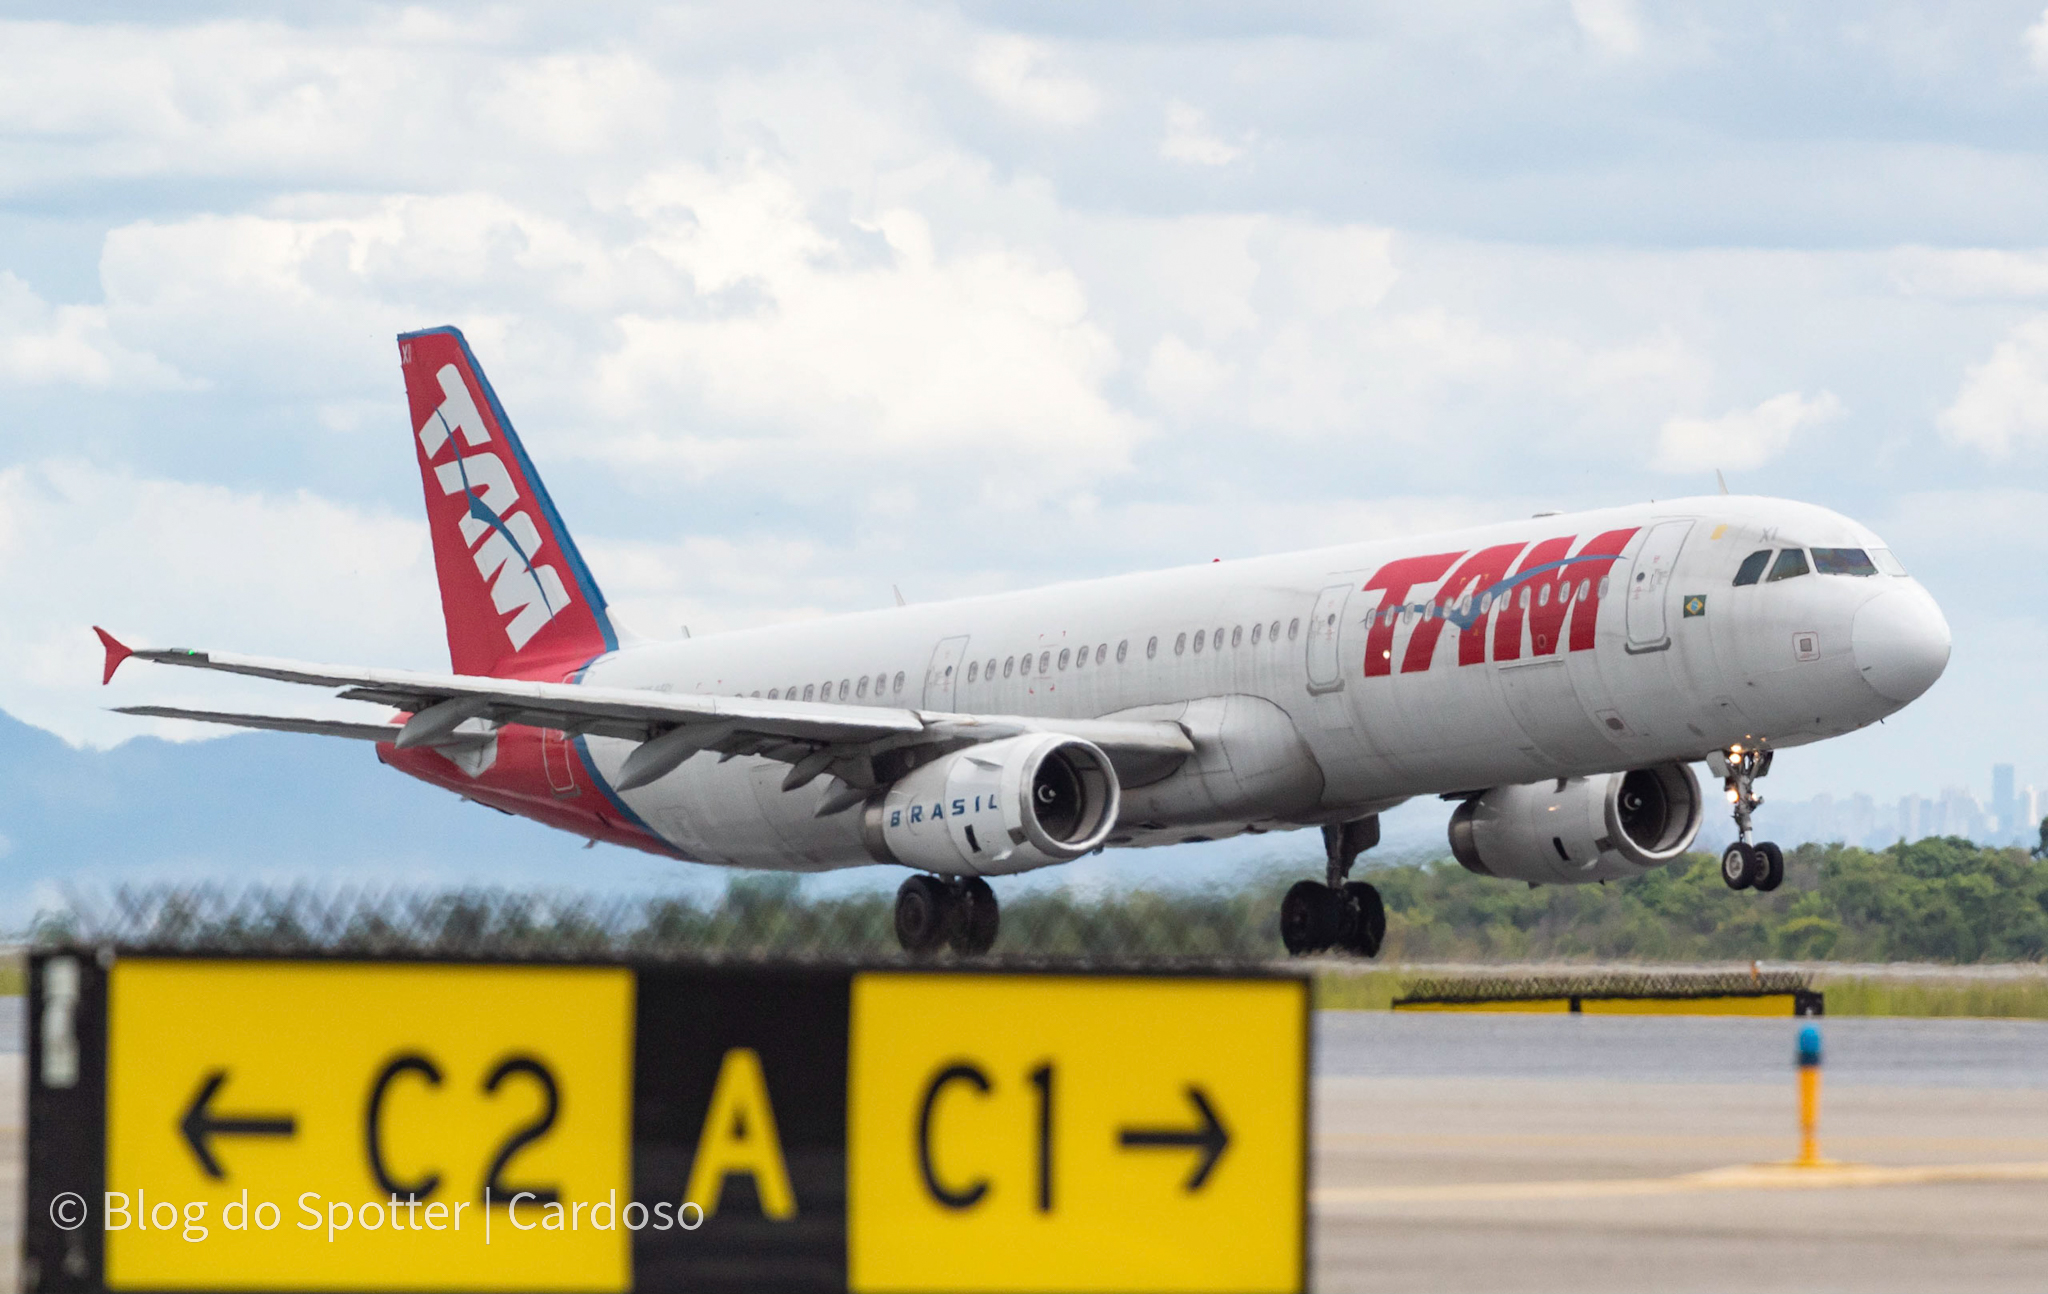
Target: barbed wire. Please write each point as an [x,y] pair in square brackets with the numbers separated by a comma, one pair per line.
[749,921]
[1602,984]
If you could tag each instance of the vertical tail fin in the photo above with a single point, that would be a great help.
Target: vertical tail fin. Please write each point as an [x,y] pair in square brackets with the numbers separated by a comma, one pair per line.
[517,598]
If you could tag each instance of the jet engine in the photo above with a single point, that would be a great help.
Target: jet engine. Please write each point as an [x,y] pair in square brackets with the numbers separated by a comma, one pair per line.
[1573,830]
[1007,806]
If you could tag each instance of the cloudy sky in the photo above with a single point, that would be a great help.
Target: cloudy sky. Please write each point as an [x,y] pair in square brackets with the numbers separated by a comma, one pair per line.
[793,302]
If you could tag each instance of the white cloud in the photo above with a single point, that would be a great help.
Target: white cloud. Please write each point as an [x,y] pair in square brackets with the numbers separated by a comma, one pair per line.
[2003,402]
[1742,438]
[1182,377]
[172,563]
[963,354]
[1188,138]
[2036,41]
[42,345]
[1613,26]
[1012,70]
[1971,272]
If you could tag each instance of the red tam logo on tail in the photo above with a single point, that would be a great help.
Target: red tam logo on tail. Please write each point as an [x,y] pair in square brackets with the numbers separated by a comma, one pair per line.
[516,595]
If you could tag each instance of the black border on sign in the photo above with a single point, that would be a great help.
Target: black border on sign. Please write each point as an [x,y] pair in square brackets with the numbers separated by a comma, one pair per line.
[67,1129]
[66,1133]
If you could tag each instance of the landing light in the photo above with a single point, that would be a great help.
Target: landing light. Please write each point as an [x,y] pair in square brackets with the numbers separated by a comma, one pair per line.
[1733,795]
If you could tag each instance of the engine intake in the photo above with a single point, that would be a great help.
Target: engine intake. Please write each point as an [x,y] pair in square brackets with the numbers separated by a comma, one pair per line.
[1008,806]
[1571,831]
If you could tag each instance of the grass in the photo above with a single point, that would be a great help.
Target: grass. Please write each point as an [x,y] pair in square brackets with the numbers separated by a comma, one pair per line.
[2024,999]
[2012,999]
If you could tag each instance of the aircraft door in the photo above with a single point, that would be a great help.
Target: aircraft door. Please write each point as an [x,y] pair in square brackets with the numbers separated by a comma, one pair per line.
[1324,626]
[941,680]
[1649,585]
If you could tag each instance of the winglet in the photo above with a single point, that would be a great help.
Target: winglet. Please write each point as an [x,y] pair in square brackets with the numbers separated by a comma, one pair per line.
[117,651]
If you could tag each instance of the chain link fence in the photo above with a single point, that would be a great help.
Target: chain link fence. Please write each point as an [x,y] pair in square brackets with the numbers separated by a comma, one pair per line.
[753,919]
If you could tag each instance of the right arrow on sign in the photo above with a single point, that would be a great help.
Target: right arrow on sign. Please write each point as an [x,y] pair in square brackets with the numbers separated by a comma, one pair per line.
[1211,1138]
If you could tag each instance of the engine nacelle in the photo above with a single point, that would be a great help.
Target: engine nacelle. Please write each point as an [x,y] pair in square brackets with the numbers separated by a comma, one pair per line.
[1575,830]
[1007,806]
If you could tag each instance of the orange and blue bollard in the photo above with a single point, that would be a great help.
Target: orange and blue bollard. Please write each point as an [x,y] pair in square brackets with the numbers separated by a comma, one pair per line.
[1809,1095]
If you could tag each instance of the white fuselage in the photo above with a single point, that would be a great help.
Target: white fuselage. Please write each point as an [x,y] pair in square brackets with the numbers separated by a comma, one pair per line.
[1296,727]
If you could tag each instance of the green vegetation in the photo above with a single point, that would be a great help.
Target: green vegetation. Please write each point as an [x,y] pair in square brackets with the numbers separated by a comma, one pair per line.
[1877,995]
[1941,899]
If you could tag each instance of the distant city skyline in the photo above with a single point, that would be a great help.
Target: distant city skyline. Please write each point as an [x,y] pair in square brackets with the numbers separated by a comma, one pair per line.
[2010,815]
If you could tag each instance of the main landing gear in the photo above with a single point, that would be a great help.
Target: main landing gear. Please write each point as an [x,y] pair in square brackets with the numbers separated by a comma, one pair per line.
[935,911]
[1337,914]
[1747,864]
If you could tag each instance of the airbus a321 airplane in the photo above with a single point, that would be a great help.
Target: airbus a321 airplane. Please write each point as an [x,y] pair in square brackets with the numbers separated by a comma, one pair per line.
[1556,675]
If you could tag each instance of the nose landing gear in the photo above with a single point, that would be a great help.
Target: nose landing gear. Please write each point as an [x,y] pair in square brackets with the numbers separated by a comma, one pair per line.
[934,912]
[1336,913]
[1747,864]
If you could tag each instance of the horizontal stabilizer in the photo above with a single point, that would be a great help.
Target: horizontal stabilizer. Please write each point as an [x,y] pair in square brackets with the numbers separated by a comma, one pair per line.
[269,722]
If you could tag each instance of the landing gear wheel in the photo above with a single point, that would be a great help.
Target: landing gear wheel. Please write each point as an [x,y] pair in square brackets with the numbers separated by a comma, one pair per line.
[922,912]
[1369,924]
[975,932]
[1770,867]
[1740,865]
[1309,918]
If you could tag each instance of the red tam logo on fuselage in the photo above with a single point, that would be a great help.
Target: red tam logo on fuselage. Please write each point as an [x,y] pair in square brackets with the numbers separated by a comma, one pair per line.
[1545,587]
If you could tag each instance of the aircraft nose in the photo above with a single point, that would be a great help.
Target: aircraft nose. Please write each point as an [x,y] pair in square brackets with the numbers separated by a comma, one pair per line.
[1901,644]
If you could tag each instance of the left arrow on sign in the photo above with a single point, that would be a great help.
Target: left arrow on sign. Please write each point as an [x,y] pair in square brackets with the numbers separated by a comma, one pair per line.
[200,1124]
[1211,1138]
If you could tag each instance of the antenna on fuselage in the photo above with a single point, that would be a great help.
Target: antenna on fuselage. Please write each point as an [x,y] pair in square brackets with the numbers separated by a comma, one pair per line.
[1722,479]
[899,595]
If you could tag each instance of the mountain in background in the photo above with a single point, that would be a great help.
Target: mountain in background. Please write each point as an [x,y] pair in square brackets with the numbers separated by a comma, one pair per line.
[271,807]
[278,808]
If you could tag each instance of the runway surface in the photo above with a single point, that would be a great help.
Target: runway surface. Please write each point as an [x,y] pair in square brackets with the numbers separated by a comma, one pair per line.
[1501,1152]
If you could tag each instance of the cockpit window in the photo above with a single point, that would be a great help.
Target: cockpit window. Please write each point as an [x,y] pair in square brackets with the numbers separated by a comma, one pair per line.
[1752,568]
[1887,563]
[1790,563]
[1842,561]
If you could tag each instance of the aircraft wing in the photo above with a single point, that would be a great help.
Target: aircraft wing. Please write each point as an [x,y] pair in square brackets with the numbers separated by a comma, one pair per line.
[815,737]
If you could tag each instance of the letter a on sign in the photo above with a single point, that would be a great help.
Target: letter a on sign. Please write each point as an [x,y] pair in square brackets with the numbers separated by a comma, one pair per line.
[739,1137]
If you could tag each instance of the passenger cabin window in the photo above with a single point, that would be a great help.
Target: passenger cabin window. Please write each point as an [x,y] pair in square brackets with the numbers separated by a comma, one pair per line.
[1045,662]
[774,694]
[1293,628]
[1180,644]
[1256,631]
[810,690]
[1064,654]
[990,671]
[1752,568]
[1102,653]
[1080,658]
[1843,561]
[1237,635]
[1122,649]
[973,670]
[899,680]
[1790,563]
[1887,563]
[1008,663]
[1200,635]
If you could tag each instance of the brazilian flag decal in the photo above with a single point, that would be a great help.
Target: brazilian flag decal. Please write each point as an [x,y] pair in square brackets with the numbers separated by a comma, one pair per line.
[1695,605]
